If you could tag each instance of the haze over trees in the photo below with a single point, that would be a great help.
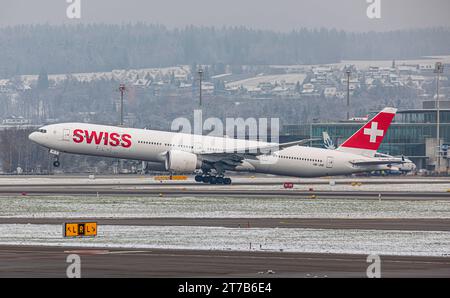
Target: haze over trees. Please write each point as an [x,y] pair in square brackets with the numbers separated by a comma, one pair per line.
[28,49]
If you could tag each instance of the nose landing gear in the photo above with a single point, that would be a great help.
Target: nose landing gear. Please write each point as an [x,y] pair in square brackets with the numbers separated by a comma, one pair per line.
[55,154]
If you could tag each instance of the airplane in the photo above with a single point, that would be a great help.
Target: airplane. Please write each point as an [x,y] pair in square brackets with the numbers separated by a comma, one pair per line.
[327,141]
[211,156]
[405,166]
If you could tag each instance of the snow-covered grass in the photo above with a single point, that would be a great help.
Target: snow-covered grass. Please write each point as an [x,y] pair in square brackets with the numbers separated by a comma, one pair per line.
[255,81]
[365,64]
[215,238]
[217,207]
[127,75]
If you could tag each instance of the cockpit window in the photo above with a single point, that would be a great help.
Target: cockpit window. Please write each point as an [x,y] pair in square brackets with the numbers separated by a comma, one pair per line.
[42,130]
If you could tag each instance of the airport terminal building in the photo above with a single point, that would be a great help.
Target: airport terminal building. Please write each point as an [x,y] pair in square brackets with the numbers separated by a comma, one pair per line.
[412,134]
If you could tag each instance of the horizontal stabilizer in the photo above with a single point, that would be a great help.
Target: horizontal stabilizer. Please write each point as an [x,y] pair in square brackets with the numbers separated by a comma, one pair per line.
[377,162]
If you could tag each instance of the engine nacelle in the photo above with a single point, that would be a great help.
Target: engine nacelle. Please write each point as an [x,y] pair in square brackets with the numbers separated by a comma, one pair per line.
[181,161]
[155,166]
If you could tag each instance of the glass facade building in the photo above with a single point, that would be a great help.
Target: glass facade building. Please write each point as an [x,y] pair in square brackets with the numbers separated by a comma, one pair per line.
[407,135]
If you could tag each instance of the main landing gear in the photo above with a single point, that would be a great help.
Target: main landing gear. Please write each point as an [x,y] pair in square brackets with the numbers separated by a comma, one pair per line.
[213,179]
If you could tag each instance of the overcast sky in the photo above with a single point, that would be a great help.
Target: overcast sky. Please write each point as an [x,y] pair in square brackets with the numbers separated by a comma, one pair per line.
[280,15]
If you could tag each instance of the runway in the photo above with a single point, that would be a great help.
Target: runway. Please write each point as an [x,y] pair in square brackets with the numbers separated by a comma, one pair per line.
[410,224]
[257,179]
[51,262]
[361,188]
[147,228]
[201,190]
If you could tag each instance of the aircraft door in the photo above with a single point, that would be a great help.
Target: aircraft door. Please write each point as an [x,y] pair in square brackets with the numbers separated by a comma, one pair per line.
[66,134]
[330,162]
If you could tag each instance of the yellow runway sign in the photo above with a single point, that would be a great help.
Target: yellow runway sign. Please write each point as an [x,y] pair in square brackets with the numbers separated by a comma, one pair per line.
[81,229]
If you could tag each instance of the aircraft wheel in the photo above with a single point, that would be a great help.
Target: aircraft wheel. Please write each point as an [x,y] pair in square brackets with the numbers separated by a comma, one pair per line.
[205,179]
[56,163]
[219,180]
[198,178]
[213,180]
[227,181]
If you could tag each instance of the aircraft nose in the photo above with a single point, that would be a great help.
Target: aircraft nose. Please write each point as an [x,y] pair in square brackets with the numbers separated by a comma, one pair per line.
[33,136]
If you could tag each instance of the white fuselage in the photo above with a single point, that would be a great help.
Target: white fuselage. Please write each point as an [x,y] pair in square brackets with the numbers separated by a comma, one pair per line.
[152,146]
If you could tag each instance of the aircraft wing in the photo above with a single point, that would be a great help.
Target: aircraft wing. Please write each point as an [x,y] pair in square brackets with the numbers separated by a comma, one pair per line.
[255,151]
[234,157]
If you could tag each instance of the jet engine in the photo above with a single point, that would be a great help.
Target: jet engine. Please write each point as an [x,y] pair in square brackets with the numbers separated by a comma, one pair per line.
[181,161]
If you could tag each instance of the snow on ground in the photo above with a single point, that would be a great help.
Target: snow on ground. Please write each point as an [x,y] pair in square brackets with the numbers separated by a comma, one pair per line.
[365,64]
[255,81]
[215,238]
[217,207]
[127,75]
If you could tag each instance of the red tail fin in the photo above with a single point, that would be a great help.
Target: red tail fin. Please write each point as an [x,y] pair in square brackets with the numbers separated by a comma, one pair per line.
[368,138]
